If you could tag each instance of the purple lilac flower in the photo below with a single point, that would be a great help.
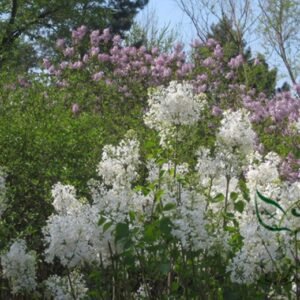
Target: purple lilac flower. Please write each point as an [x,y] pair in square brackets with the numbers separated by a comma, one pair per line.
[98,76]
[68,52]
[218,51]
[95,38]
[79,33]
[46,63]
[236,62]
[75,108]
[60,43]
[216,111]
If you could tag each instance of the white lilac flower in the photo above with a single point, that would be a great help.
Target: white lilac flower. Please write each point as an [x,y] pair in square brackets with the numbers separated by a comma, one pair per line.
[257,256]
[262,249]
[65,199]
[60,288]
[236,132]
[141,293]
[191,225]
[263,175]
[76,239]
[118,166]
[19,267]
[173,106]
[215,171]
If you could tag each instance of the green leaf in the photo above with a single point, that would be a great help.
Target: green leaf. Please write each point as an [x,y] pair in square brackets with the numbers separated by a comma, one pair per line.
[165,267]
[122,231]
[169,206]
[159,194]
[107,225]
[233,196]
[165,226]
[132,215]
[149,233]
[102,220]
[220,197]
[239,206]
[269,201]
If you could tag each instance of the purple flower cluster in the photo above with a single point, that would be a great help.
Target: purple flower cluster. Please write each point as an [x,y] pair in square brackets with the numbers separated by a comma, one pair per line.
[108,60]
[236,62]
[290,168]
[282,108]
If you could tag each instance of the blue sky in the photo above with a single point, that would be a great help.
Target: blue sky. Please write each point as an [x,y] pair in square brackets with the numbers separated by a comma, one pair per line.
[168,12]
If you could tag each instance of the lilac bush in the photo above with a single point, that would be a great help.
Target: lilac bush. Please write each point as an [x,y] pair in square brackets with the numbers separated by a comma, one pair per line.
[172,211]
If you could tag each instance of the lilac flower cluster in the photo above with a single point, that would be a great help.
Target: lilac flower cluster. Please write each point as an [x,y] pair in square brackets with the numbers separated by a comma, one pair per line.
[109,60]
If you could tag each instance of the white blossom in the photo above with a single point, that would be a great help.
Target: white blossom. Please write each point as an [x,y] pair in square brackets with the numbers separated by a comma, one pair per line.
[19,267]
[236,132]
[65,199]
[263,175]
[118,166]
[76,239]
[141,293]
[60,288]
[263,250]
[257,257]
[172,106]
[191,224]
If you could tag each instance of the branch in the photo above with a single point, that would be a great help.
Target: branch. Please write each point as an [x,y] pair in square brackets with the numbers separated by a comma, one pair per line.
[13,13]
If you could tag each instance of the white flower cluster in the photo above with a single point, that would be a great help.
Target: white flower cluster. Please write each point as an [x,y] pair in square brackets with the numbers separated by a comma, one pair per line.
[60,288]
[290,194]
[73,235]
[257,256]
[172,106]
[213,168]
[72,238]
[263,175]
[262,250]
[236,133]
[118,164]
[19,267]
[234,144]
[190,223]
[65,201]
[141,293]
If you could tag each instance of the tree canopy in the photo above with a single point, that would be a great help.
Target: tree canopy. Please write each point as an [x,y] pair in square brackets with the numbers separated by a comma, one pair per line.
[28,28]
[256,72]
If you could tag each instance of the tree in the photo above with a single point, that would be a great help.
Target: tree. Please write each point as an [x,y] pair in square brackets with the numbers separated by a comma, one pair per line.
[280,28]
[203,13]
[255,72]
[35,24]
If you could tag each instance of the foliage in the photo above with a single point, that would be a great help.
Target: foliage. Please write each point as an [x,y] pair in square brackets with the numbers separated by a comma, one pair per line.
[255,72]
[35,25]
[42,142]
